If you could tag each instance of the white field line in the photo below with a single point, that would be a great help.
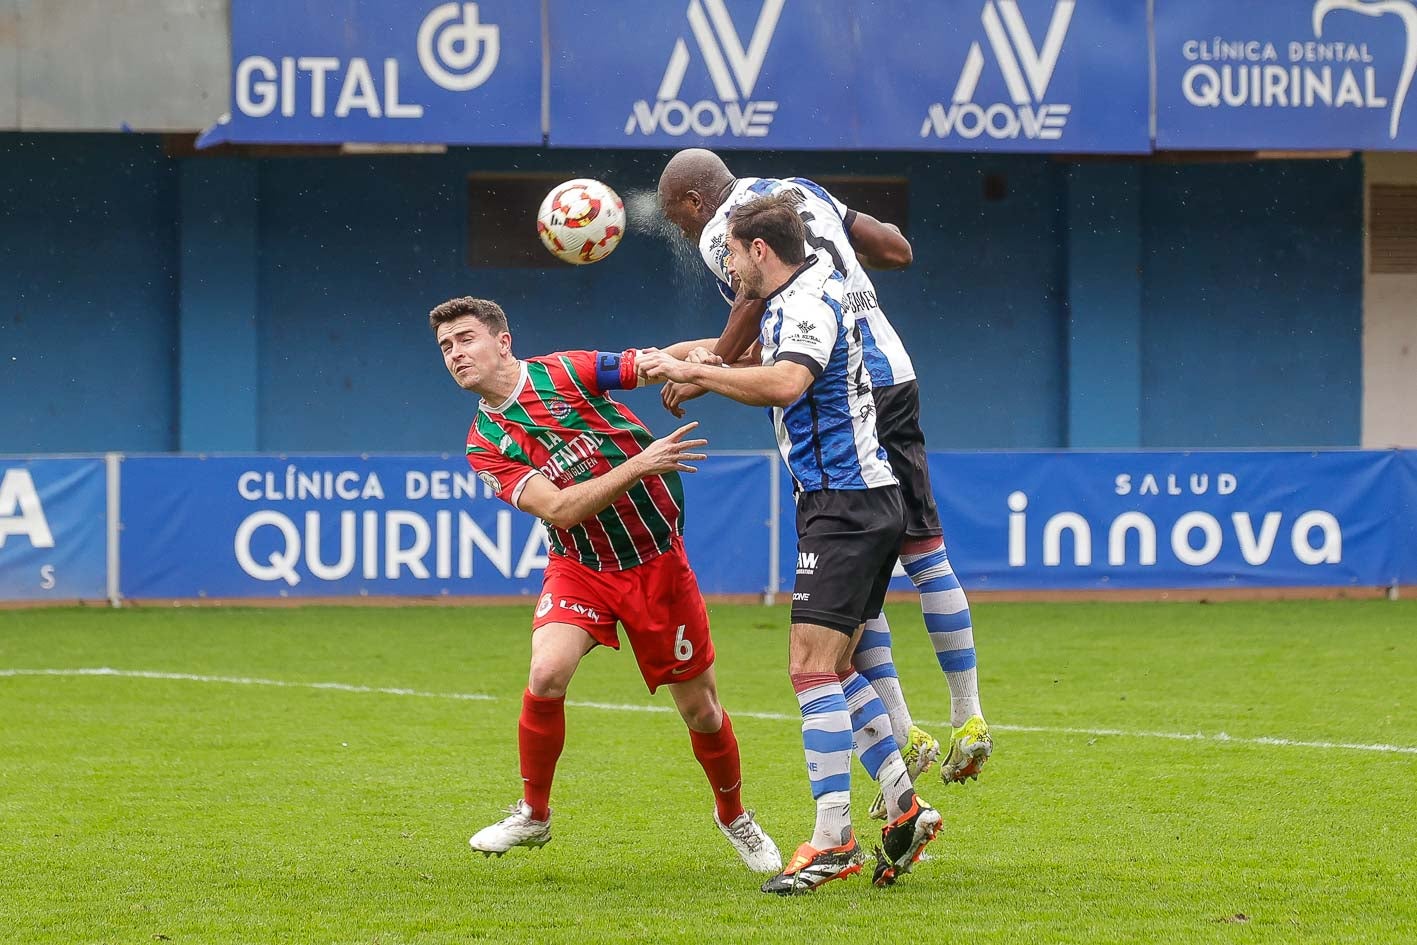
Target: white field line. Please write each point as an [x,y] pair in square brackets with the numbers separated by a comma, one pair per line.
[1219,737]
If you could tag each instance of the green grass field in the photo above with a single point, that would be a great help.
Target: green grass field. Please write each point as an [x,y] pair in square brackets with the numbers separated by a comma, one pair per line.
[140,809]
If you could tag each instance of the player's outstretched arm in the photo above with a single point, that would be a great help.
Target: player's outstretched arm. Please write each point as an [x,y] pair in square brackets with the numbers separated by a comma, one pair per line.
[745,320]
[878,245]
[682,349]
[574,504]
[774,386]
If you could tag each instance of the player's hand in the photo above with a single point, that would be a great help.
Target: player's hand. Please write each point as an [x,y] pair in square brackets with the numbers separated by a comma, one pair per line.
[673,396]
[702,355]
[673,453]
[657,365]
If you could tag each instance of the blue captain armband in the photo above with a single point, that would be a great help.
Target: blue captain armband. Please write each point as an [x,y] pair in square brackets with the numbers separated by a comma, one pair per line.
[609,373]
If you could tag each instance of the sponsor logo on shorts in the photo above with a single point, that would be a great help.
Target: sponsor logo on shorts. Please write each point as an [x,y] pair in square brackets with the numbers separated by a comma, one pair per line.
[543,606]
[679,669]
[797,595]
[576,608]
[806,562]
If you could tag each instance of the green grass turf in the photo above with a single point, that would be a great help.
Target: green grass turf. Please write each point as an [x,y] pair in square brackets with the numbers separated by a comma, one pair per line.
[134,810]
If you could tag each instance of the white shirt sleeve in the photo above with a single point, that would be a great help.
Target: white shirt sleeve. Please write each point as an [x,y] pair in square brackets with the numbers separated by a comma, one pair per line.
[808,335]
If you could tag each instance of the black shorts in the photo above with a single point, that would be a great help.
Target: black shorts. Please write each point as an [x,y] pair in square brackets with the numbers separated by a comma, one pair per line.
[898,428]
[847,542]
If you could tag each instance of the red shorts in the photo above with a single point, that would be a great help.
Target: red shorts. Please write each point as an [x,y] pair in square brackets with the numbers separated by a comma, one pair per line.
[658,603]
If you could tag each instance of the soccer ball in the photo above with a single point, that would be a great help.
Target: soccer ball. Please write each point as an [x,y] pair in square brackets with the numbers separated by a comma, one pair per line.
[581,221]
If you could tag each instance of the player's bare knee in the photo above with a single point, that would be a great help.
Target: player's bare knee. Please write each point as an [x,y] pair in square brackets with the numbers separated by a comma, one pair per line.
[549,678]
[702,715]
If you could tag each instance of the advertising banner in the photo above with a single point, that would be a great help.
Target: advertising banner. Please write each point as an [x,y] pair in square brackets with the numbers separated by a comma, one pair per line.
[1012,75]
[53,529]
[1305,74]
[1097,520]
[383,71]
[325,526]
[1404,517]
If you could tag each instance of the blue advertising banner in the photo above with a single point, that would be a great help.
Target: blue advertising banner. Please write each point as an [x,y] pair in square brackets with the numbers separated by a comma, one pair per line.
[384,71]
[1097,520]
[1169,519]
[1305,74]
[1007,75]
[53,529]
[323,526]
[1404,516]
[1014,75]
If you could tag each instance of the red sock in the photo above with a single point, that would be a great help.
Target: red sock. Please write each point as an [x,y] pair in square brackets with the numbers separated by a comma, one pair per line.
[541,734]
[718,753]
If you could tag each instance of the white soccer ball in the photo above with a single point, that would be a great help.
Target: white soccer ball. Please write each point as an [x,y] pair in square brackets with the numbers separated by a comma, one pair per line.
[581,221]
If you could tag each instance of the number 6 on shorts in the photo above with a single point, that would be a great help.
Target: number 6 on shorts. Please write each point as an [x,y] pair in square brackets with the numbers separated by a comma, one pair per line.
[683,649]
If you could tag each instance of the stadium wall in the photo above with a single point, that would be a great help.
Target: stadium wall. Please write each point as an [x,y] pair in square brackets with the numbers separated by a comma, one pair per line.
[1389,317]
[277,304]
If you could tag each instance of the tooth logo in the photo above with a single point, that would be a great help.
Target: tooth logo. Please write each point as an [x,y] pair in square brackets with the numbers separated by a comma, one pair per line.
[1404,11]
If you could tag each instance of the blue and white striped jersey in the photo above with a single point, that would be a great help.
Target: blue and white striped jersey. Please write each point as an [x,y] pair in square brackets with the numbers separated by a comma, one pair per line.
[827,436]
[825,218]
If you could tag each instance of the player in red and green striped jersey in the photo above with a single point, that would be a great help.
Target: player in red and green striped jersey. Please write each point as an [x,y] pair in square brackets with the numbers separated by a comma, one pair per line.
[549,440]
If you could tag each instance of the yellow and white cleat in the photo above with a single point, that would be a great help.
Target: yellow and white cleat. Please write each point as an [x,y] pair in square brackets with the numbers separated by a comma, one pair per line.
[970,747]
[920,753]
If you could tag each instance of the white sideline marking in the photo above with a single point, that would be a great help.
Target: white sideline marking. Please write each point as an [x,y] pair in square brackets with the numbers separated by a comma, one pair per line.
[1220,737]
[246,681]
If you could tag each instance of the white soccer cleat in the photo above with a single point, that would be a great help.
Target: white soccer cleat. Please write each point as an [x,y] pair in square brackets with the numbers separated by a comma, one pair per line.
[518,830]
[753,844]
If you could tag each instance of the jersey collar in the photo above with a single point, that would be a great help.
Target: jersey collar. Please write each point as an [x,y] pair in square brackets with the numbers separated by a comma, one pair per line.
[512,398]
[807,263]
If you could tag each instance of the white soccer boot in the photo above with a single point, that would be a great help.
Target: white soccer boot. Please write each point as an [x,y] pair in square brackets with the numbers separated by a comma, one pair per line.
[753,844]
[518,830]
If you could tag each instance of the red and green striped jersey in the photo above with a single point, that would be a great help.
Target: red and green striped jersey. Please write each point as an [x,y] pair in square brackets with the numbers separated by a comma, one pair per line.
[560,423]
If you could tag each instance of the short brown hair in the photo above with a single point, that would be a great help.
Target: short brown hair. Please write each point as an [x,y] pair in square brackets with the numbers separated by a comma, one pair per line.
[484,310]
[774,220]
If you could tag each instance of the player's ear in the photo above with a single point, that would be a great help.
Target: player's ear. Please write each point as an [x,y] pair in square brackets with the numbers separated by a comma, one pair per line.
[504,343]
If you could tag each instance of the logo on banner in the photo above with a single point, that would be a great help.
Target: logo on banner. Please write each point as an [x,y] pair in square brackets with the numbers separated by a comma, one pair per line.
[1195,539]
[21,513]
[1303,72]
[733,70]
[456,51]
[1027,70]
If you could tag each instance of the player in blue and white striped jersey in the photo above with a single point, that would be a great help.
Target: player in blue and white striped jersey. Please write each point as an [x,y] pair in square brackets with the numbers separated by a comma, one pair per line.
[828,436]
[698,192]
[850,522]
[828,222]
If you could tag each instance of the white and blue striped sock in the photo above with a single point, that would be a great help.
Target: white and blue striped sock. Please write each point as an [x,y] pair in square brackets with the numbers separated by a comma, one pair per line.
[947,620]
[873,659]
[873,744]
[826,738]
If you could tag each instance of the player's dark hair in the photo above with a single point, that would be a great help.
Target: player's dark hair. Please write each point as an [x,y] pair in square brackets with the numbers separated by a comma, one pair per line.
[484,310]
[774,220]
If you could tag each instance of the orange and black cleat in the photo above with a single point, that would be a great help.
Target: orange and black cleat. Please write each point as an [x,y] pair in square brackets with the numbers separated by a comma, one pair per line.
[810,868]
[904,840]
